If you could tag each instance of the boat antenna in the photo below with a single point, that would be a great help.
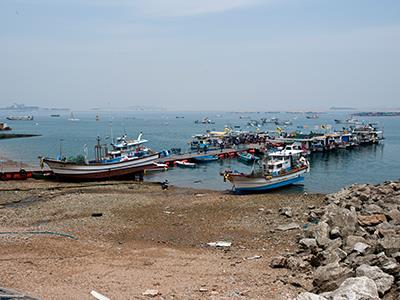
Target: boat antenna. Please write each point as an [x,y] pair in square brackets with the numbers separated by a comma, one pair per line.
[98,149]
[61,140]
[85,151]
[111,132]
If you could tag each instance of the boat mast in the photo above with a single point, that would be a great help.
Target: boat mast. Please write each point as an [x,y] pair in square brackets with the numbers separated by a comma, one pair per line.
[97,150]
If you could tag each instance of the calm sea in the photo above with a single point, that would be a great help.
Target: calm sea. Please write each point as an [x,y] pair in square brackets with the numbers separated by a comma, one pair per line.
[329,171]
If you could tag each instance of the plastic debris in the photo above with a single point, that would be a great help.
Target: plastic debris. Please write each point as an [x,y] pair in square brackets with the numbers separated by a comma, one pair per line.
[98,296]
[221,244]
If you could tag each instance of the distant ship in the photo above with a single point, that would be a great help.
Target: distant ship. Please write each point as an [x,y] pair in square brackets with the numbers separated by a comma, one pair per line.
[20,107]
[55,116]
[20,118]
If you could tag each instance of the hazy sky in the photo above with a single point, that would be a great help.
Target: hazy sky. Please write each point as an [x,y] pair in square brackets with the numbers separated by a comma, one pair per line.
[200,54]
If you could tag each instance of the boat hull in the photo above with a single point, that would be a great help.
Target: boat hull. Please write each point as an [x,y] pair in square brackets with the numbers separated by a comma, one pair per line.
[204,159]
[99,171]
[242,183]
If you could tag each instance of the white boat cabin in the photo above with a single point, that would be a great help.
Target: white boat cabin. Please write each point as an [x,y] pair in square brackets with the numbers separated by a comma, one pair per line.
[283,160]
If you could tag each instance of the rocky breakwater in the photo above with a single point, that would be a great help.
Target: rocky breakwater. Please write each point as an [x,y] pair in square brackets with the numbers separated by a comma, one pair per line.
[351,245]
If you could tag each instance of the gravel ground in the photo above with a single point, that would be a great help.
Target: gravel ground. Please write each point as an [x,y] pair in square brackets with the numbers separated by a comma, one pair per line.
[141,237]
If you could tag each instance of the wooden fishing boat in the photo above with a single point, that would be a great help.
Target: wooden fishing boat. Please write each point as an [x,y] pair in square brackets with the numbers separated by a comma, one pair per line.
[99,170]
[206,158]
[103,167]
[283,168]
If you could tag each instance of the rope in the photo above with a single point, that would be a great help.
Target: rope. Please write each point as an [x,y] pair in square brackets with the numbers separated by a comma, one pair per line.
[39,233]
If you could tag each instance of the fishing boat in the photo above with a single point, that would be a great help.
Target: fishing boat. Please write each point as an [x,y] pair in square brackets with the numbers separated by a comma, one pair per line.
[4,127]
[206,158]
[72,118]
[313,116]
[206,120]
[55,116]
[283,123]
[185,164]
[281,169]
[102,167]
[123,143]
[98,170]
[247,157]
[20,118]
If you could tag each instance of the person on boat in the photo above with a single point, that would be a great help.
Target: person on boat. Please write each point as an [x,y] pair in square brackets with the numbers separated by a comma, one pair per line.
[303,161]
[205,149]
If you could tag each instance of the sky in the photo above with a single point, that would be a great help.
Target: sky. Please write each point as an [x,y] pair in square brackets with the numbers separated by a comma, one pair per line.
[200,54]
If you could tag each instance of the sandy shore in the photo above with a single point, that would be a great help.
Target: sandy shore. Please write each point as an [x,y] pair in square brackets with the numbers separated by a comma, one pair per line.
[146,238]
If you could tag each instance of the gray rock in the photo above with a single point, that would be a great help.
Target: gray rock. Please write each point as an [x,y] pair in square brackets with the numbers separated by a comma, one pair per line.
[335,233]
[391,267]
[286,211]
[296,263]
[352,240]
[372,209]
[321,233]
[382,280]
[309,296]
[387,264]
[329,277]
[358,288]
[278,262]
[289,226]
[333,253]
[389,245]
[355,260]
[396,256]
[394,216]
[313,217]
[342,218]
[361,247]
[308,243]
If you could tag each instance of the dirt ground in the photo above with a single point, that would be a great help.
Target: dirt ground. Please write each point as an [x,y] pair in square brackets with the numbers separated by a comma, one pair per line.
[142,237]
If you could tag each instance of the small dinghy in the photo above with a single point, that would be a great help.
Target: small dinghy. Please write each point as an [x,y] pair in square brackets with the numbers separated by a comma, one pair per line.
[156,167]
[247,157]
[185,164]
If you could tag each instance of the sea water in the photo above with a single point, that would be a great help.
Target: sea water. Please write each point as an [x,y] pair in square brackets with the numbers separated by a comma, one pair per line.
[165,130]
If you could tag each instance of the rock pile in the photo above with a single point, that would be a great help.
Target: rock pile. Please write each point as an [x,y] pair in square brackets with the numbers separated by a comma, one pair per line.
[351,245]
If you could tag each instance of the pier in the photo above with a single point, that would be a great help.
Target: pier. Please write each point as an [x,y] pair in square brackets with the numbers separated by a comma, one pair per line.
[228,152]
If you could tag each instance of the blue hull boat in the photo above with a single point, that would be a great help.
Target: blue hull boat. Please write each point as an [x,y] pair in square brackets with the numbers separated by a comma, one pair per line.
[206,158]
[247,157]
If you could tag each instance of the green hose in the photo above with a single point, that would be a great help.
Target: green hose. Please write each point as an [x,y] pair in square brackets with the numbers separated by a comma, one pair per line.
[39,232]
